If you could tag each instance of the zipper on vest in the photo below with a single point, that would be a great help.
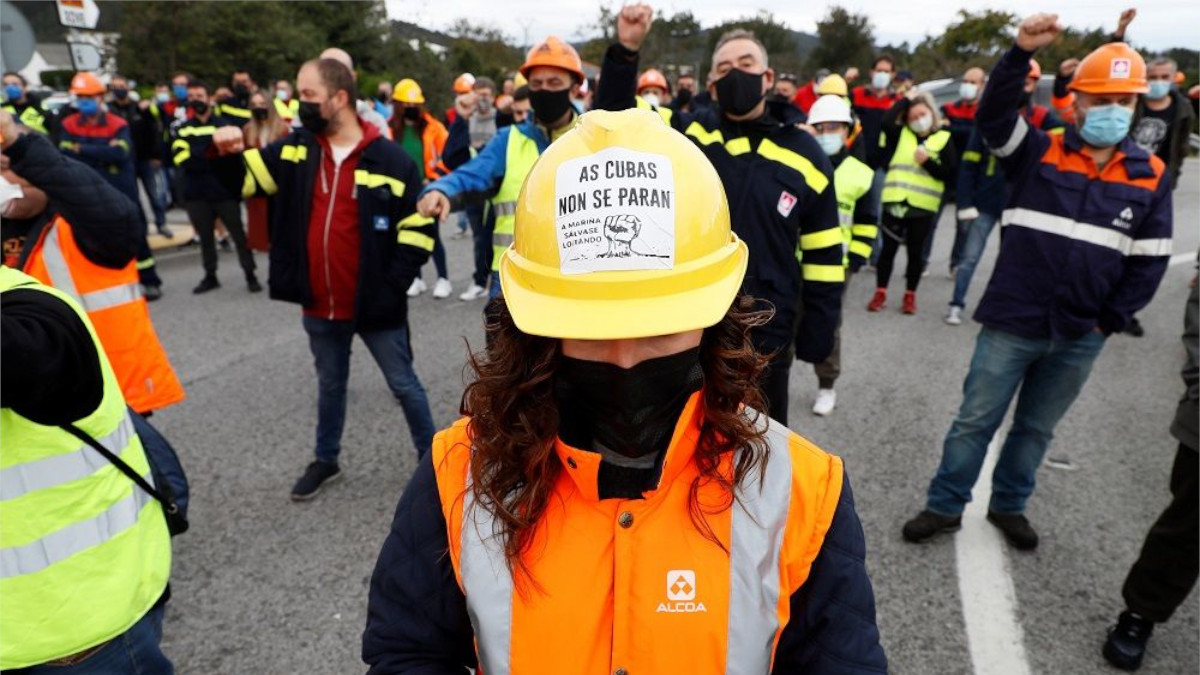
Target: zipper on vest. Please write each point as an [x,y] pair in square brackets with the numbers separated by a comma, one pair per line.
[337,170]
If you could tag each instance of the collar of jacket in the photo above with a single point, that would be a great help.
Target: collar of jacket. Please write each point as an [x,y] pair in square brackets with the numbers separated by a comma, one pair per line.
[583,466]
[1135,158]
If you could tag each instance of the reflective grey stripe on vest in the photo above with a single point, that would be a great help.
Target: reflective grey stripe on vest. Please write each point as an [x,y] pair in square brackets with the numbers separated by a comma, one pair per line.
[505,208]
[911,188]
[75,538]
[488,586]
[757,540]
[22,479]
[60,278]
[502,239]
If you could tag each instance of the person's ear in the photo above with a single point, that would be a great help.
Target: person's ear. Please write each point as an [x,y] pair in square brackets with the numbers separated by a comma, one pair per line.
[768,80]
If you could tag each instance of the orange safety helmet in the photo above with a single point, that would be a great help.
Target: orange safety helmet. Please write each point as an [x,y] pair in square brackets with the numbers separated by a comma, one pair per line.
[555,53]
[1035,70]
[653,78]
[463,83]
[1180,78]
[1114,68]
[86,84]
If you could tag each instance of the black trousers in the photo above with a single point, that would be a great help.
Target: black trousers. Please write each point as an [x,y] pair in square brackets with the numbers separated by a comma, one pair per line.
[775,386]
[913,232]
[1165,572]
[203,215]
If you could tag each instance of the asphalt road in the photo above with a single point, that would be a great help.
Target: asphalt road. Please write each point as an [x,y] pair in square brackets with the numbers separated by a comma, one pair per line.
[263,585]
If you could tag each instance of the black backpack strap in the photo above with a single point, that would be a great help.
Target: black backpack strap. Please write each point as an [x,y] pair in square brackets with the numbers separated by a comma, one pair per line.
[117,461]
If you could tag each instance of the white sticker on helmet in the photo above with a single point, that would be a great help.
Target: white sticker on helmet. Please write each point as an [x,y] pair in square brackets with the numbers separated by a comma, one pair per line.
[1120,69]
[615,210]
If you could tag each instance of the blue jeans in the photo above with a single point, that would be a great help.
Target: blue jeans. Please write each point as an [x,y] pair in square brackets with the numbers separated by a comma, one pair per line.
[1050,374]
[154,181]
[330,343]
[481,242]
[494,288]
[876,197]
[134,652]
[974,241]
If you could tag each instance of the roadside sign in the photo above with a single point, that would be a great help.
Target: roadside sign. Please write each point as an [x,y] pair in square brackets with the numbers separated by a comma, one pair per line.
[16,43]
[85,56]
[78,13]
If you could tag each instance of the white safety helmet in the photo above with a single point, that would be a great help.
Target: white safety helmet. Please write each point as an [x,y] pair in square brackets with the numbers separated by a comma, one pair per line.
[830,108]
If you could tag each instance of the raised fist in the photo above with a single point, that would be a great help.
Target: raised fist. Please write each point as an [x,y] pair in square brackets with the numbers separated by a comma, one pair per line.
[1037,31]
[228,140]
[633,23]
[1067,68]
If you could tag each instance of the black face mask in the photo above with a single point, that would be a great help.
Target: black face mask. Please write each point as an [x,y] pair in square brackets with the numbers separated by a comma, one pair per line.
[683,97]
[121,94]
[738,91]
[260,114]
[198,107]
[632,411]
[413,114]
[550,106]
[310,117]
[1023,100]
[241,90]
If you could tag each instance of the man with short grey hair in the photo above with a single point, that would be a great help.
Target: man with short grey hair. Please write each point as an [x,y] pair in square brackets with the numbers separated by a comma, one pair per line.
[1164,118]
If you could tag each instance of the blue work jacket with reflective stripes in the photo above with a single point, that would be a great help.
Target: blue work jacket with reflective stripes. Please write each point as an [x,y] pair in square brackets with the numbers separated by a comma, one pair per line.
[1082,246]
[480,178]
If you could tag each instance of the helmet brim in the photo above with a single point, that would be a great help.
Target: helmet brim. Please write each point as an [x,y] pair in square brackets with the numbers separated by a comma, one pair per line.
[626,304]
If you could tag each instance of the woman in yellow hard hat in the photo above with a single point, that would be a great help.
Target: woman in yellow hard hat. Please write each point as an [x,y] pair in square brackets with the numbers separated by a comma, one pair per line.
[613,501]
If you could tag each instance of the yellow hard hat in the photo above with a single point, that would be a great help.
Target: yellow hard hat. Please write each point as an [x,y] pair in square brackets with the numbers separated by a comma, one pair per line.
[408,91]
[622,231]
[833,84]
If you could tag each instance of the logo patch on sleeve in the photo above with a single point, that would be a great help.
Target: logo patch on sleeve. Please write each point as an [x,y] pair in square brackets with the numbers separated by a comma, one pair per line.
[381,223]
[787,202]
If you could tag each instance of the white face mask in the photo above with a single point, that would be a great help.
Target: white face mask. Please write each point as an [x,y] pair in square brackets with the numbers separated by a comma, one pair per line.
[881,80]
[652,99]
[968,91]
[922,124]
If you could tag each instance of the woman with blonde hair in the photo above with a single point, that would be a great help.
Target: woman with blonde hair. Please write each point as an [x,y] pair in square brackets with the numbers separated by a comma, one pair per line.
[919,157]
[265,127]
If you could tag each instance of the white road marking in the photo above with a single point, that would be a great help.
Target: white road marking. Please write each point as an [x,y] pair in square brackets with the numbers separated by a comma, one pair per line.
[994,636]
[1180,258]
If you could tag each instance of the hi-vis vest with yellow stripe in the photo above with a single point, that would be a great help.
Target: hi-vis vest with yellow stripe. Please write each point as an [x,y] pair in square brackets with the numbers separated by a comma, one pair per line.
[907,181]
[631,585]
[851,181]
[664,112]
[520,156]
[84,552]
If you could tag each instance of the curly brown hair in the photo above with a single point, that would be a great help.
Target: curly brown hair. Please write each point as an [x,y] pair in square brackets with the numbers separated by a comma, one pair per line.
[514,422]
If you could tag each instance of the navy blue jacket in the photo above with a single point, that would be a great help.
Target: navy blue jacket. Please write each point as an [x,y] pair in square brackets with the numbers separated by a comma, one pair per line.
[1082,247]
[417,618]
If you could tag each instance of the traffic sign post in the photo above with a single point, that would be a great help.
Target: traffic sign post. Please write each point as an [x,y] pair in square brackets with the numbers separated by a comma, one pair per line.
[78,13]
[85,56]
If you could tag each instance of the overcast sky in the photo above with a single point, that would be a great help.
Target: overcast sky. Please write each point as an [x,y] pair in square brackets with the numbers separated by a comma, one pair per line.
[1160,24]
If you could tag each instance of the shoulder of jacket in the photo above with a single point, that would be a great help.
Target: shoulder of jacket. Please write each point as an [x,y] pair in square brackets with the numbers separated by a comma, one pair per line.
[452,446]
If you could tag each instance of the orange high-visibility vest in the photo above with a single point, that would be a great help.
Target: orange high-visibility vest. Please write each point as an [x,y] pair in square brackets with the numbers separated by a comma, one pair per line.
[113,301]
[631,586]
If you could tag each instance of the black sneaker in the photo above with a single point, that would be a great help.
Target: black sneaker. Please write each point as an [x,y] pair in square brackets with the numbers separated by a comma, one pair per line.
[151,293]
[206,284]
[316,476]
[1134,329]
[225,245]
[252,284]
[1126,643]
[1016,529]
[927,524]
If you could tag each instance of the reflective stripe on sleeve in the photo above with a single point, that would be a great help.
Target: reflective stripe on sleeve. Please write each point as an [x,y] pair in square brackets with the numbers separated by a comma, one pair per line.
[374,180]
[258,167]
[415,220]
[705,137]
[413,238]
[830,273]
[1020,130]
[822,239]
[812,175]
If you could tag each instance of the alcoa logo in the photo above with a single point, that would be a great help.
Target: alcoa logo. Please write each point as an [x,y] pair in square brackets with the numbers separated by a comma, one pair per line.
[1124,220]
[681,593]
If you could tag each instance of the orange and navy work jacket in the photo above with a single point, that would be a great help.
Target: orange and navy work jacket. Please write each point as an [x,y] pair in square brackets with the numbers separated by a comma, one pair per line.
[1083,246]
[630,585]
[114,303]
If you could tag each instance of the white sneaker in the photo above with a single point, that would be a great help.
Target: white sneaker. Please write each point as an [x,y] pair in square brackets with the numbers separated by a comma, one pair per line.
[954,316]
[475,292]
[442,288]
[418,287]
[826,399]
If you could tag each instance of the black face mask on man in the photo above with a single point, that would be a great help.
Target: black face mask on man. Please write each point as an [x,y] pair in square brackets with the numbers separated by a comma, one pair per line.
[412,114]
[311,118]
[198,107]
[738,91]
[550,106]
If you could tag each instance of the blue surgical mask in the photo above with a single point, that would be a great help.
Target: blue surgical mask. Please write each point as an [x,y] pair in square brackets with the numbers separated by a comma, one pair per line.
[12,92]
[87,106]
[1105,125]
[881,80]
[180,91]
[968,91]
[832,144]
[1158,89]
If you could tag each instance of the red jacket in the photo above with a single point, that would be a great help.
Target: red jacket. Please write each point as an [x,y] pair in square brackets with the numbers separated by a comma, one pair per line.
[806,96]
[333,232]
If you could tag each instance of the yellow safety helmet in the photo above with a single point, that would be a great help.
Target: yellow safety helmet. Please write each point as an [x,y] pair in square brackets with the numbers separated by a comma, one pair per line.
[622,231]
[833,84]
[408,91]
